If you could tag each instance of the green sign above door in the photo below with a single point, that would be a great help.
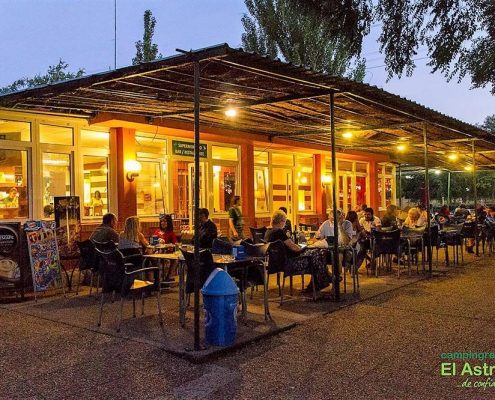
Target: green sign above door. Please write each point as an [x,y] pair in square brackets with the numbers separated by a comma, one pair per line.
[180,148]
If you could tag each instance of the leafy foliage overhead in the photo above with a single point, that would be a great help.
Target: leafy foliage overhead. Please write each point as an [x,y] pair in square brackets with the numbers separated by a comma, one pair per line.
[146,50]
[458,35]
[55,73]
[278,28]
[489,124]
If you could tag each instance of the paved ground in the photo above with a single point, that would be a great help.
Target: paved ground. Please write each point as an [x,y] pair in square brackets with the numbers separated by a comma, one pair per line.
[386,347]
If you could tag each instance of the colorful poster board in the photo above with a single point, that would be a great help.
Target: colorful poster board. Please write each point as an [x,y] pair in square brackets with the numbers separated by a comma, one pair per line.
[12,274]
[68,224]
[43,253]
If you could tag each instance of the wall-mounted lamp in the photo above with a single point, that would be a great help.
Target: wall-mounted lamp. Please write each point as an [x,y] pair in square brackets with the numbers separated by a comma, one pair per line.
[326,179]
[132,168]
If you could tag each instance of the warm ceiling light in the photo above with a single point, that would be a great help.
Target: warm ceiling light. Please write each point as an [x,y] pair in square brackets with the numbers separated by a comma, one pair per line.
[437,171]
[453,156]
[468,167]
[347,135]
[401,147]
[230,112]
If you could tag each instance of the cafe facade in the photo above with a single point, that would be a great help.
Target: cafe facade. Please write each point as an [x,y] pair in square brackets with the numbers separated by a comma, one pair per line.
[47,155]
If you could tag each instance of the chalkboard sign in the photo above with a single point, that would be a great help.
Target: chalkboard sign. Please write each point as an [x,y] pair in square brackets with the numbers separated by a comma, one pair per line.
[12,269]
[43,253]
[68,224]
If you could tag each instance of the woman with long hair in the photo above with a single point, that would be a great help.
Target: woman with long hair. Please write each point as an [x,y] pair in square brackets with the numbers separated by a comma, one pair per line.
[165,232]
[131,237]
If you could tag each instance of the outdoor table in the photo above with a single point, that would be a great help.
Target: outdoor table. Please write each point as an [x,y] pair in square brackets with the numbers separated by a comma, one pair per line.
[161,248]
[181,270]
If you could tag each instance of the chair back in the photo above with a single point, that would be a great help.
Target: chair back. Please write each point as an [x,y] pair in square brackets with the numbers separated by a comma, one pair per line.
[385,242]
[434,236]
[255,250]
[277,257]
[206,267]
[258,234]
[112,270]
[468,229]
[104,246]
[88,256]
[221,247]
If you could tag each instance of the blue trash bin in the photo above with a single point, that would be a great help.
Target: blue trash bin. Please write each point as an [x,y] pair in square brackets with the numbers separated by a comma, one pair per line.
[220,296]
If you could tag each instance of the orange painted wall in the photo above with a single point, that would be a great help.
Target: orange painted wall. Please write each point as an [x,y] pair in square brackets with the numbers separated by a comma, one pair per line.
[247,184]
[126,150]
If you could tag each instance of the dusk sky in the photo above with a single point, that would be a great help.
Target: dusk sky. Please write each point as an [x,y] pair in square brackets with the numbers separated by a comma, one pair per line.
[36,33]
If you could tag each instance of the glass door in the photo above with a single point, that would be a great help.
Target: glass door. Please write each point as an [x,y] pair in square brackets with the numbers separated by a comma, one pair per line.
[345,192]
[202,189]
[282,190]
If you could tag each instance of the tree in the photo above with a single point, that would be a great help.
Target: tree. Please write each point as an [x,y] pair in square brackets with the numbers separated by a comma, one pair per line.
[55,73]
[489,123]
[278,29]
[146,50]
[459,36]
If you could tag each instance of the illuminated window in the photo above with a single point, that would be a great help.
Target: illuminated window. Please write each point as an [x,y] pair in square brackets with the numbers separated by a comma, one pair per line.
[56,176]
[386,185]
[95,185]
[13,130]
[149,192]
[304,181]
[261,189]
[13,184]
[224,153]
[56,135]
[95,139]
[260,156]
[224,187]
[282,159]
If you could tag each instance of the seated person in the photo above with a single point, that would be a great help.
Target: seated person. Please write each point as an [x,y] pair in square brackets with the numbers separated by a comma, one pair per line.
[132,237]
[207,229]
[370,221]
[389,219]
[106,231]
[166,232]
[316,256]
[327,228]
[288,225]
[414,219]
[12,199]
[461,211]
[443,215]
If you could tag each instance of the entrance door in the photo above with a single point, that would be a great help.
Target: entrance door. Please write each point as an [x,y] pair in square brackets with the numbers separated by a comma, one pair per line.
[345,192]
[282,190]
[202,189]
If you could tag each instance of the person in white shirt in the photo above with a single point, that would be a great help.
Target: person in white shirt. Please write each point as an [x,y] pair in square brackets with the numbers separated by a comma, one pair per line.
[327,228]
[369,220]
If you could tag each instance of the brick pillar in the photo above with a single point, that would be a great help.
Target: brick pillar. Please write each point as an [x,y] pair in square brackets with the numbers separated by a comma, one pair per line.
[125,143]
[247,185]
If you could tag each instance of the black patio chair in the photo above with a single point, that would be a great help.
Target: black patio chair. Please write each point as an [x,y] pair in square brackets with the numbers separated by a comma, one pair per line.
[413,244]
[120,276]
[384,246]
[451,237]
[220,246]
[206,267]
[88,261]
[258,234]
[469,232]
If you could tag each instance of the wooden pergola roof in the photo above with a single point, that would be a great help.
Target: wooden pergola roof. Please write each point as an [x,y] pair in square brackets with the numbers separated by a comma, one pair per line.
[273,98]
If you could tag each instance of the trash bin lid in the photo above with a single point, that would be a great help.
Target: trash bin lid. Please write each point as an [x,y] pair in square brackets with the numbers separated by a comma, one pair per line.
[219,283]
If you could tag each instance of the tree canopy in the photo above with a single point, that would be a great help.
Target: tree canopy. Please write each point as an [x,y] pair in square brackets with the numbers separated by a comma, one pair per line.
[146,50]
[54,74]
[489,123]
[277,28]
[459,36]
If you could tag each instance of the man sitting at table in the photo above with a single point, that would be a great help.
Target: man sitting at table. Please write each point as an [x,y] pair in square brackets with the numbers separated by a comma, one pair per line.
[106,231]
[207,229]
[369,221]
[327,228]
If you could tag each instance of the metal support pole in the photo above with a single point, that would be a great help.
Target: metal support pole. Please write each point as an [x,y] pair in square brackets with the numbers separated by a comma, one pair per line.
[335,258]
[427,200]
[400,187]
[475,194]
[448,189]
[197,345]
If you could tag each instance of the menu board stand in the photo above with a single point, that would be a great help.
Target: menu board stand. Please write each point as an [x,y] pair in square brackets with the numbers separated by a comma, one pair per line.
[43,255]
[13,275]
